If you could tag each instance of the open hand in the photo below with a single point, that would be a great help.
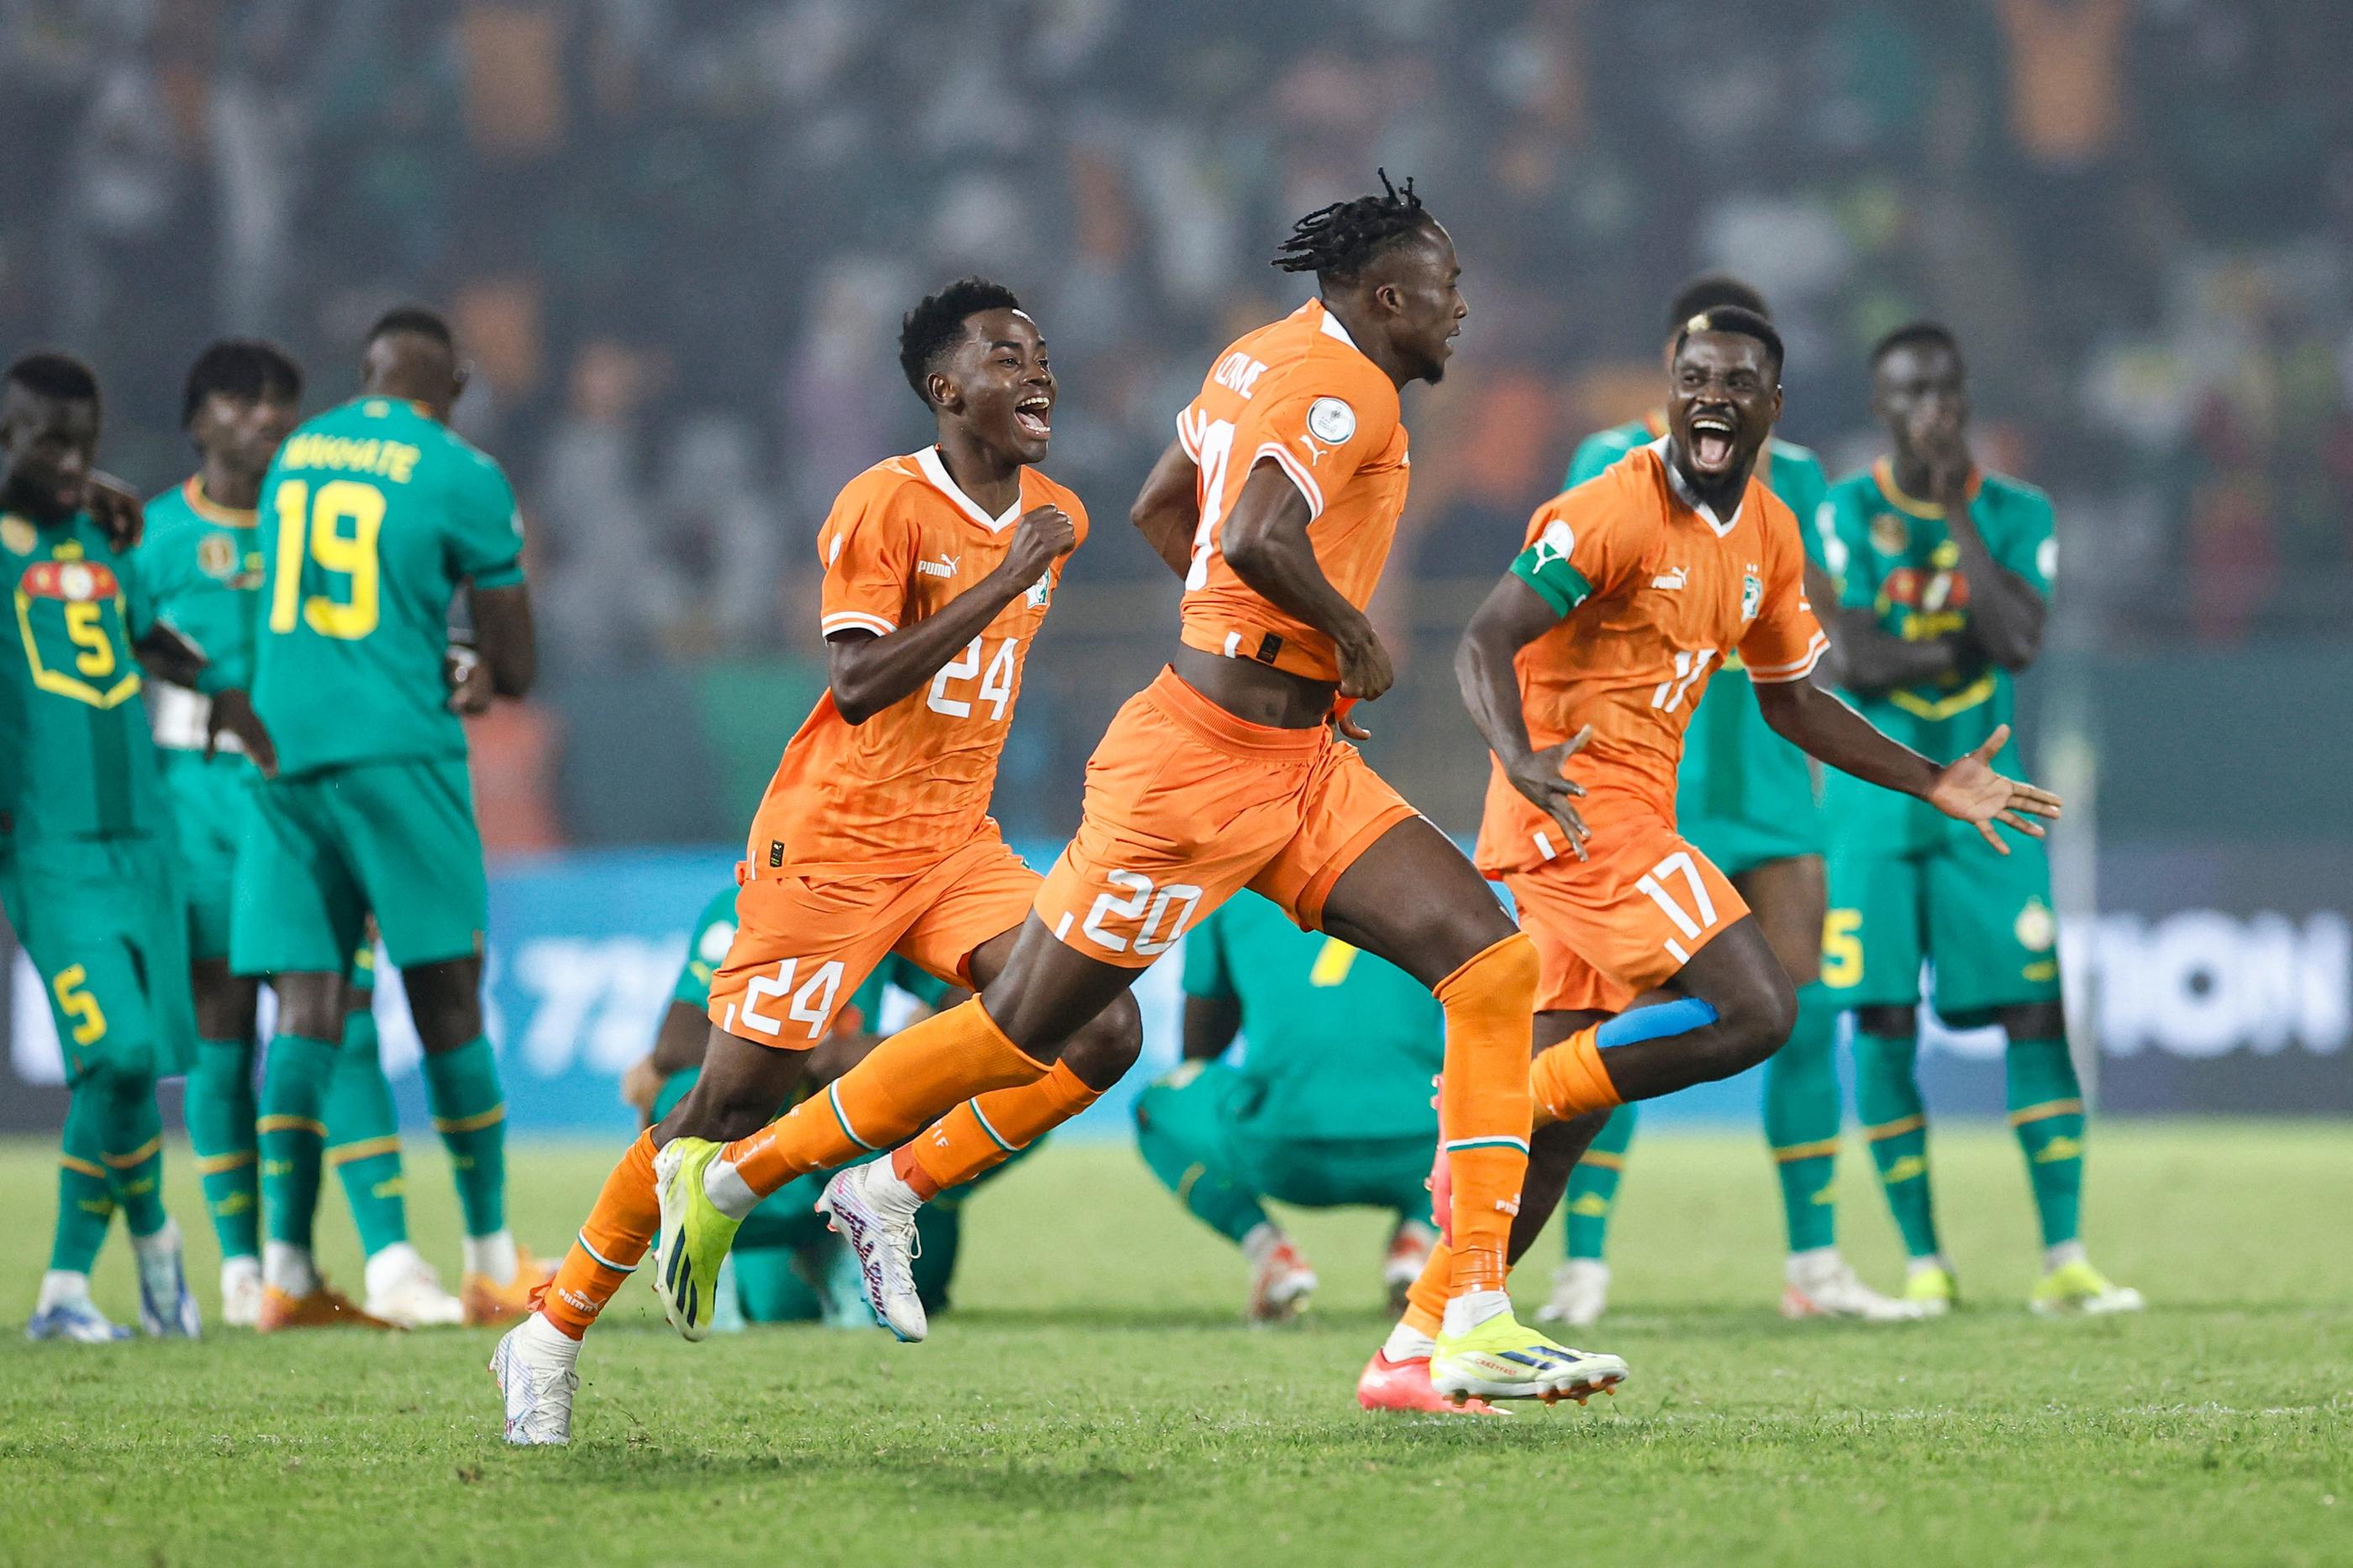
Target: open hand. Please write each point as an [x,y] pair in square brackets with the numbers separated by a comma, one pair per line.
[1970,791]
[1540,779]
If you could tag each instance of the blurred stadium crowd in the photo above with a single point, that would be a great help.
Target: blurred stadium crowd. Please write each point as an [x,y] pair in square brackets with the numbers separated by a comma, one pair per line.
[676,236]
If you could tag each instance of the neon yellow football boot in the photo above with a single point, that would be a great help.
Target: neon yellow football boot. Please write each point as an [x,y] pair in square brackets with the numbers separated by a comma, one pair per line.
[2076,1287]
[1929,1284]
[1499,1359]
[694,1240]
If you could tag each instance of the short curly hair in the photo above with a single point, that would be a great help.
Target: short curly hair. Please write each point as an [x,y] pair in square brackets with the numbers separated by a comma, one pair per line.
[928,331]
[243,368]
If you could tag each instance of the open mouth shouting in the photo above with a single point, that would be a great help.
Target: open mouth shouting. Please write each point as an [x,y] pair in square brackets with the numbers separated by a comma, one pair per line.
[1034,415]
[1713,440]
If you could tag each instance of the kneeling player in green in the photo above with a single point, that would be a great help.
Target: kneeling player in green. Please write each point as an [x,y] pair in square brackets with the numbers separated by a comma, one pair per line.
[1329,1106]
[1944,575]
[1747,797]
[787,1266]
[200,562]
[379,516]
[91,884]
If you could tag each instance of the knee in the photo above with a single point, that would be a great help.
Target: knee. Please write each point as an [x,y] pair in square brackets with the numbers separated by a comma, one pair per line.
[1107,1045]
[118,1075]
[2035,1021]
[1886,1024]
[1757,1022]
[716,1115]
[1501,977]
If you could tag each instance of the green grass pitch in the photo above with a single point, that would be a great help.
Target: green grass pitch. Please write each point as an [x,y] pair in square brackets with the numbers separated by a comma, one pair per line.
[1094,1399]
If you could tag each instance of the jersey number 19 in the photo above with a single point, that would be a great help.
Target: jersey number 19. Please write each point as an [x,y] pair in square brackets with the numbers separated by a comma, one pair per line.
[337,533]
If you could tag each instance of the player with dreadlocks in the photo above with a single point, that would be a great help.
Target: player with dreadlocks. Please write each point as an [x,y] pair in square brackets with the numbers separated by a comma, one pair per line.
[1275,504]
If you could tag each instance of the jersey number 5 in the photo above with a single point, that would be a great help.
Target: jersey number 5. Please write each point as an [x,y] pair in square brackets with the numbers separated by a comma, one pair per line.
[318,528]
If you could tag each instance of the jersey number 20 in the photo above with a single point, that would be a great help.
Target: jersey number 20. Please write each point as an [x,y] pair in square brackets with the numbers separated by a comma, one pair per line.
[337,531]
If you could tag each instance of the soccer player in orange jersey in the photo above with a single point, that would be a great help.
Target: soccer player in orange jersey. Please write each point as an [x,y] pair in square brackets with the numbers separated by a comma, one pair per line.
[875,836]
[1597,645]
[1277,502]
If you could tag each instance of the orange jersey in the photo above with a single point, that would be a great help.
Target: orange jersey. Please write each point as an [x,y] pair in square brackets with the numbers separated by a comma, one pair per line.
[1655,592]
[1299,394]
[912,782]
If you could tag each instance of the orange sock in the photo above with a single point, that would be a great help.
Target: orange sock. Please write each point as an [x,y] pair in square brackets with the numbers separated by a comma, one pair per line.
[1485,1111]
[617,1232]
[904,1083]
[1568,1079]
[1426,1298]
[983,1134]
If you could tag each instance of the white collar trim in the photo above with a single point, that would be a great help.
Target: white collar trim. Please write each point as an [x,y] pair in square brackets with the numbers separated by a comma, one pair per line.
[936,471]
[1333,327]
[1692,502]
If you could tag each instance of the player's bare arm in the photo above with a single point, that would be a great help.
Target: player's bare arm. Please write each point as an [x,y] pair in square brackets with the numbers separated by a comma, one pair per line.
[170,657]
[1512,616]
[1167,510]
[1265,541]
[503,637]
[1211,1024]
[1967,791]
[2005,614]
[868,673]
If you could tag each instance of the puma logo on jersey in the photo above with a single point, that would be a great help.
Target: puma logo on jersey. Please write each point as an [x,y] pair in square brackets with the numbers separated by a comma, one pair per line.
[945,566]
[1555,543]
[1314,452]
[1671,580]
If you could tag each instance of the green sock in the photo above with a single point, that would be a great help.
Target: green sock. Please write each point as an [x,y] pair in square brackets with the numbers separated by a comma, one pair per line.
[1887,1098]
[293,1132]
[364,1138]
[1593,1185]
[220,1115]
[1209,1196]
[2046,1109]
[1801,1121]
[463,1086]
[133,1130]
[85,1198]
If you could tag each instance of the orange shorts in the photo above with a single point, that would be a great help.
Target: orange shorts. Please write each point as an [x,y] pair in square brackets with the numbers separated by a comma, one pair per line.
[805,941]
[1610,927]
[1188,804]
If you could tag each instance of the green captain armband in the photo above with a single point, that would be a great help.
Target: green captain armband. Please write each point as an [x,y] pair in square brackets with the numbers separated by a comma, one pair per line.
[1545,567]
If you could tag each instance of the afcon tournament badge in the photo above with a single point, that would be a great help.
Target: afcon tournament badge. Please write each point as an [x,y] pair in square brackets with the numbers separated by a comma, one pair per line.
[1890,535]
[17,535]
[216,556]
[2035,930]
[1752,595]
[1331,421]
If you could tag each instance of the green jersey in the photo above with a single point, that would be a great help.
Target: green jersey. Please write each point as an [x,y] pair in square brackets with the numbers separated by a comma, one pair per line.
[200,565]
[1341,1044]
[1890,554]
[1736,770]
[374,514]
[76,760]
[714,932]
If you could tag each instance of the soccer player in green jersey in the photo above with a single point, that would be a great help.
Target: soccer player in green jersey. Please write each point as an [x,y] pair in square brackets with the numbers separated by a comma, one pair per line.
[200,561]
[89,877]
[376,517]
[1747,798]
[1944,576]
[1329,1106]
[786,1265]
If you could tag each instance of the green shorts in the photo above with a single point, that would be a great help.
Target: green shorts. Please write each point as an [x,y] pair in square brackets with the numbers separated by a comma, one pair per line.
[103,923]
[1211,1111]
[1983,920]
[209,798]
[324,849]
[1744,796]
